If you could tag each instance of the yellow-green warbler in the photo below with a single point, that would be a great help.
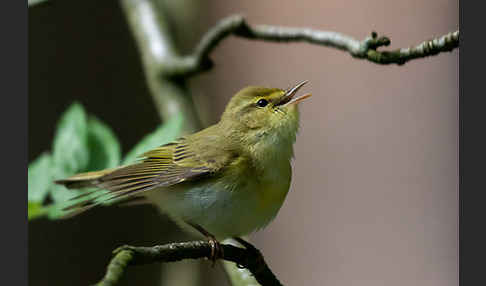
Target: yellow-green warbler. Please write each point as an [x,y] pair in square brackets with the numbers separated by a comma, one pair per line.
[227,180]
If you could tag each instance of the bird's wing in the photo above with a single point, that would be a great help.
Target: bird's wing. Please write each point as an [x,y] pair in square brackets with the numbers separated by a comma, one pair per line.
[182,160]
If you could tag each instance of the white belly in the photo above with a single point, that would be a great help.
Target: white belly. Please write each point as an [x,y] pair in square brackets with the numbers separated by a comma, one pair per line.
[221,211]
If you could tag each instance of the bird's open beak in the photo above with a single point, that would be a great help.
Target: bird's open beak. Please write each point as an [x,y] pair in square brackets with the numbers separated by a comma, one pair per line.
[288,97]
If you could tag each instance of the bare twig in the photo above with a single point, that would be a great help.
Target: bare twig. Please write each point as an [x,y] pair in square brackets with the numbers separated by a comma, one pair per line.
[156,47]
[248,257]
[236,25]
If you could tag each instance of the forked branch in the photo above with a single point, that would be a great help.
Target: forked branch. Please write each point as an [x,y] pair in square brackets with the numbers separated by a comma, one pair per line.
[248,257]
[236,25]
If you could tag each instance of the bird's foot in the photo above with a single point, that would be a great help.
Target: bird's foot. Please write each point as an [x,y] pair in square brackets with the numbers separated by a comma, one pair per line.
[216,249]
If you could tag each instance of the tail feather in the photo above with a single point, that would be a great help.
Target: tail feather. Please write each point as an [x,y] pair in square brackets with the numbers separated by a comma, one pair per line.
[121,193]
[84,180]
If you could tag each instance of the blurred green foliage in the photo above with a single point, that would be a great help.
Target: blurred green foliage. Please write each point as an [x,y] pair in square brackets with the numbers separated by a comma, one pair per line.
[82,143]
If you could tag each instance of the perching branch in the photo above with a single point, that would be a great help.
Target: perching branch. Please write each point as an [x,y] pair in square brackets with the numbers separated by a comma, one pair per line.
[248,257]
[236,25]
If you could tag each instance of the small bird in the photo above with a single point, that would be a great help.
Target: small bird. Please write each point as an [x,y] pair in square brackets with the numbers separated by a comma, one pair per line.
[227,180]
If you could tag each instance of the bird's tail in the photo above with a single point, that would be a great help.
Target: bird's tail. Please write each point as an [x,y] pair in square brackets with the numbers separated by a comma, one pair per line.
[101,193]
[86,200]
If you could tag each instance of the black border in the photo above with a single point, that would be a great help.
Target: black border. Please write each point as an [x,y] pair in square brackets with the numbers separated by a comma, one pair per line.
[472,144]
[14,141]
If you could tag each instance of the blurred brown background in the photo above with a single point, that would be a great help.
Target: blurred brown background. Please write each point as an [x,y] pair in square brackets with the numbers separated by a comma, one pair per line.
[374,198]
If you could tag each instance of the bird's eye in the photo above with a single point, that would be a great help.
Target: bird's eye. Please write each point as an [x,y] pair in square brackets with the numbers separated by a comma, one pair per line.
[262,103]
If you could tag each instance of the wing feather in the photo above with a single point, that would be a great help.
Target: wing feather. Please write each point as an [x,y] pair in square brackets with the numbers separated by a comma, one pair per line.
[164,166]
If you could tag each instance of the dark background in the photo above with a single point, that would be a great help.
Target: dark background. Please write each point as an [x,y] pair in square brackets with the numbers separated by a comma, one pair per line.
[375,183]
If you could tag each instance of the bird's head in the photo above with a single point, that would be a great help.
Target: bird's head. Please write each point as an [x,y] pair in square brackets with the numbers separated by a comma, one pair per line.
[261,115]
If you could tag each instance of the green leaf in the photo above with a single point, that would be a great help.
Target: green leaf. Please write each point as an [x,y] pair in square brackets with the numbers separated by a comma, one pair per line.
[80,144]
[162,135]
[70,150]
[36,210]
[39,178]
[105,151]
[70,146]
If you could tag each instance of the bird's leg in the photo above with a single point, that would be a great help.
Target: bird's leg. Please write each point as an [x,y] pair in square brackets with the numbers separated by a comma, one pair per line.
[216,249]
